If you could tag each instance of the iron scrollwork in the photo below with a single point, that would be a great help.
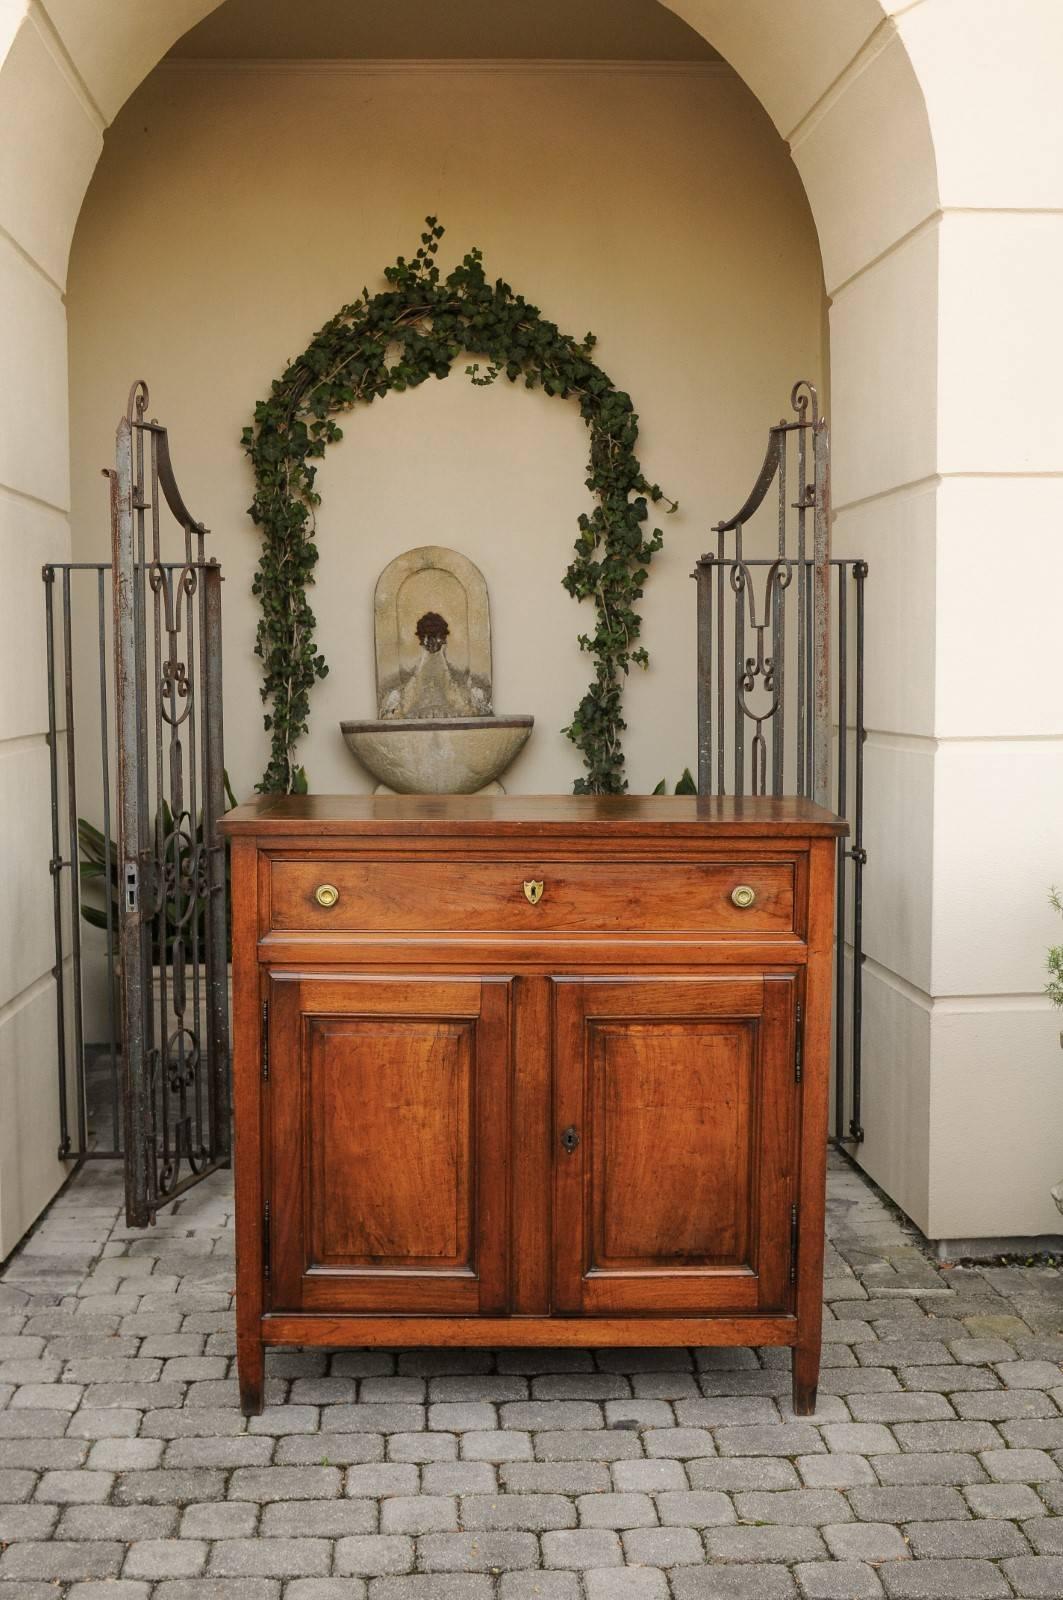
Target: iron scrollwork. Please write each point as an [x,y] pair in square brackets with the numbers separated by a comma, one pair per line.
[761,667]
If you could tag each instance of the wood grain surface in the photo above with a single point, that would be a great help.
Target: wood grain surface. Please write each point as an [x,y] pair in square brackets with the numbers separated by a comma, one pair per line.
[355,815]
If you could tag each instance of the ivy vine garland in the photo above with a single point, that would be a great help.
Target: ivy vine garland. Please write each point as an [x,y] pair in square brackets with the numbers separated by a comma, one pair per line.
[432,320]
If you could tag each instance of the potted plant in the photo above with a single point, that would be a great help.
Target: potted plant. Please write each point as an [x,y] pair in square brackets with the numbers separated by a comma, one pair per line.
[99,883]
[686,784]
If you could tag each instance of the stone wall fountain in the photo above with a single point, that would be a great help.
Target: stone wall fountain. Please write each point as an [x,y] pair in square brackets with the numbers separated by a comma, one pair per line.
[436,732]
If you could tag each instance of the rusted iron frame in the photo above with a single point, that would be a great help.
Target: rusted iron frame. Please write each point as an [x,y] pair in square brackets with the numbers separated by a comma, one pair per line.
[72,831]
[69,1003]
[821,728]
[162,1137]
[135,980]
[858,855]
[714,576]
[214,805]
[711,585]
[55,868]
[111,931]
[64,817]
[813,702]
[813,607]
[851,850]
[778,724]
[842,808]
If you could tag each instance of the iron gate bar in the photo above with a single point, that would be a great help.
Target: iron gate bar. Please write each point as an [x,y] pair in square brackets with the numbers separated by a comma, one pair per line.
[129,769]
[75,886]
[105,762]
[840,874]
[55,867]
[858,855]
[779,628]
[217,907]
[820,784]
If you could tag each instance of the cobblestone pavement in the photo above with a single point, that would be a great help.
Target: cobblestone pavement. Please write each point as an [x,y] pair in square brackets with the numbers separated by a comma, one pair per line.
[932,1469]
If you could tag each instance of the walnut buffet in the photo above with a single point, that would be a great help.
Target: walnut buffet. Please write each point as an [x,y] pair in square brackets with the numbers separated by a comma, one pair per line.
[531,1071]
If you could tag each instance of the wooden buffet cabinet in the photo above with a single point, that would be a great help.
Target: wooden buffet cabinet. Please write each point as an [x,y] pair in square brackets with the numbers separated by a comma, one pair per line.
[530,1070]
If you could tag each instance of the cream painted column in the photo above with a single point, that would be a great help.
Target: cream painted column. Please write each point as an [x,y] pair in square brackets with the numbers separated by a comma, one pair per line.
[991,71]
[52,137]
[946,349]
[64,71]
[862,152]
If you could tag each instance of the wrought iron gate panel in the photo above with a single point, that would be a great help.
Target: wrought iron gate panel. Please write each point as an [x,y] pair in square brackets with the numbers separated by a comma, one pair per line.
[172,909]
[767,705]
[77,610]
[156,1093]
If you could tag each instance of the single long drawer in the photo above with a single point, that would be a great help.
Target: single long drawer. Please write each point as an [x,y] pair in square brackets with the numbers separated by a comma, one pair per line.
[531,896]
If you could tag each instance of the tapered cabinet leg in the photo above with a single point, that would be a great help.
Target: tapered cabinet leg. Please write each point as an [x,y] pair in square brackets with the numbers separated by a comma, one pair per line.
[805,1377]
[251,1367]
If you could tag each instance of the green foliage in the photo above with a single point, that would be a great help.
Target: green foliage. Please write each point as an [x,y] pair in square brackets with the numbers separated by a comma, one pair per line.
[98,881]
[1054,986]
[686,784]
[412,331]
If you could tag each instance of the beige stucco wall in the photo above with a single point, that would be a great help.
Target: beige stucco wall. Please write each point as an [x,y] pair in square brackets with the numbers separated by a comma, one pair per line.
[681,236]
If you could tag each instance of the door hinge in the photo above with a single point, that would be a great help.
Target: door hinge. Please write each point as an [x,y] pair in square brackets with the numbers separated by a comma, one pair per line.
[266,1241]
[793,1244]
[799,1044]
[265,1039]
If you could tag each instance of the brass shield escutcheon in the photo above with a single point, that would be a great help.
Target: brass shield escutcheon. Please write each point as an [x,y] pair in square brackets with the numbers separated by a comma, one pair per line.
[533,891]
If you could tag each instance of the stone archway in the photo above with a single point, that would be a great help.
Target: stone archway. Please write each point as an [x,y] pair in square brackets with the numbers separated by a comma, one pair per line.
[929,137]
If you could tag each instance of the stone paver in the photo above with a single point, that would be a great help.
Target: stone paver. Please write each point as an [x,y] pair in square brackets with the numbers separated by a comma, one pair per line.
[838,1580]
[933,1468]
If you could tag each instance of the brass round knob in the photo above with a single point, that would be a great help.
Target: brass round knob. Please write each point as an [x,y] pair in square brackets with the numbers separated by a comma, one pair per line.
[326,894]
[743,896]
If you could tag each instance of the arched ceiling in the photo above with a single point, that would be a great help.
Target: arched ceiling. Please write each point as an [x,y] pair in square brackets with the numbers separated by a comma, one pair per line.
[869,170]
[600,30]
[788,54]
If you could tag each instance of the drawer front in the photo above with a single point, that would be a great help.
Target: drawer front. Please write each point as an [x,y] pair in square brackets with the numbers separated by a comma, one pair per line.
[531,896]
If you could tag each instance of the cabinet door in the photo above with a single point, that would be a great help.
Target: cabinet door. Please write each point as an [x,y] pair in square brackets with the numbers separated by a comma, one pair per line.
[388,1107]
[681,1094]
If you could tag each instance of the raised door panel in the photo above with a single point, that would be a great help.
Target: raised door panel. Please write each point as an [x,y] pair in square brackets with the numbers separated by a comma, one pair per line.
[670,1113]
[681,1095]
[388,1107]
[391,1175]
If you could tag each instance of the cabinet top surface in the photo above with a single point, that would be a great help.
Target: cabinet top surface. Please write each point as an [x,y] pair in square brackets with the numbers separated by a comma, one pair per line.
[319,815]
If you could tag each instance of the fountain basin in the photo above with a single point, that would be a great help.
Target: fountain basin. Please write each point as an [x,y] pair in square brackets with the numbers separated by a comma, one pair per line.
[444,755]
